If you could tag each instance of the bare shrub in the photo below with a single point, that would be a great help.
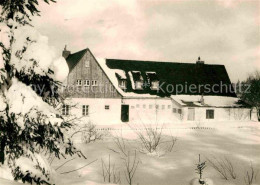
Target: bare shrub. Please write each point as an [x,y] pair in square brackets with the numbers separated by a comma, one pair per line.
[121,147]
[89,133]
[219,167]
[229,167]
[109,173]
[152,139]
[250,176]
[131,163]
[224,166]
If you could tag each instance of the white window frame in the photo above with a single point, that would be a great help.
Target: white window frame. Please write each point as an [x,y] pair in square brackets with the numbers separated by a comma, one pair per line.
[86,83]
[155,85]
[79,82]
[65,110]
[94,83]
[85,110]
[122,84]
[139,85]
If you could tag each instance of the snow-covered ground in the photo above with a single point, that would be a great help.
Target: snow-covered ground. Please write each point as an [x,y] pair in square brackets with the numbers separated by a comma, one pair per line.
[239,142]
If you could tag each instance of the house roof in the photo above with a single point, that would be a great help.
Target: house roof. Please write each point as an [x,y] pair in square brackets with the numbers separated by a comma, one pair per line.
[208,101]
[173,75]
[74,58]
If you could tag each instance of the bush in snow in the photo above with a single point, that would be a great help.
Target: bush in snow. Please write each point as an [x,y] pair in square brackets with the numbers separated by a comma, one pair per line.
[153,141]
[251,93]
[89,133]
[223,166]
[28,120]
[251,176]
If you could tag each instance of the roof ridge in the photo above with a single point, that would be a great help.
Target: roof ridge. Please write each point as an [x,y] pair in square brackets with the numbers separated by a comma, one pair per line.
[167,62]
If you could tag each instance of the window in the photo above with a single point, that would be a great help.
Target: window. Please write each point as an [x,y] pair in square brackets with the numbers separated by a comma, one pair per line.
[86,83]
[107,107]
[144,106]
[65,110]
[169,106]
[139,85]
[137,105]
[122,84]
[209,114]
[179,111]
[94,82]
[79,82]
[85,109]
[163,107]
[150,106]
[87,63]
[132,107]
[155,85]
[174,110]
[157,106]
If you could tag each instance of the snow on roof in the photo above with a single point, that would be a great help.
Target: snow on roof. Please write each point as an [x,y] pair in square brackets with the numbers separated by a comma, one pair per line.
[120,73]
[216,101]
[213,101]
[131,80]
[111,74]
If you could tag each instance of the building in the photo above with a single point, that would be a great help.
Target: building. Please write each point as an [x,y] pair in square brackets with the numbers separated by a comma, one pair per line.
[112,91]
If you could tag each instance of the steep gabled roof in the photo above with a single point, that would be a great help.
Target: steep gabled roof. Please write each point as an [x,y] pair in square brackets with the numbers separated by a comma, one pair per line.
[74,58]
[170,73]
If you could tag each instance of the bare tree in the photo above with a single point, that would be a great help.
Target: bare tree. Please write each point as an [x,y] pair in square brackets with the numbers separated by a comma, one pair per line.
[131,164]
[109,173]
[224,166]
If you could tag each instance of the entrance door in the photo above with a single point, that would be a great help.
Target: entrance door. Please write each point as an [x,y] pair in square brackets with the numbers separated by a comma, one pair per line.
[191,114]
[124,113]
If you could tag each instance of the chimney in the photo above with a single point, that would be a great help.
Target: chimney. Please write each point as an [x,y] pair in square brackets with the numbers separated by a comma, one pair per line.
[202,100]
[65,52]
[199,61]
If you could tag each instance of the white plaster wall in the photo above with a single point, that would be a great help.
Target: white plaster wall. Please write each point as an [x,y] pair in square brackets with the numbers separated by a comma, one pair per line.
[220,114]
[97,112]
[140,111]
[100,116]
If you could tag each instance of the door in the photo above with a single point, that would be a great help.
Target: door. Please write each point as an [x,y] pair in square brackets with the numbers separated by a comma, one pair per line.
[124,113]
[191,114]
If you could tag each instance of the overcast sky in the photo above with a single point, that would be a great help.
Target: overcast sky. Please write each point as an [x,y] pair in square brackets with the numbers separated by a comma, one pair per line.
[219,31]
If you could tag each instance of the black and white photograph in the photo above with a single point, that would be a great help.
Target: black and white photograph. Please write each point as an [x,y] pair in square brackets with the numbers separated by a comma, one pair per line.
[130,92]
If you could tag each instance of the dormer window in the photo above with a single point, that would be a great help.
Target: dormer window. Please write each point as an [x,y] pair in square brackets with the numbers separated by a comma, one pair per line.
[139,85]
[122,84]
[137,80]
[155,85]
[121,76]
[153,80]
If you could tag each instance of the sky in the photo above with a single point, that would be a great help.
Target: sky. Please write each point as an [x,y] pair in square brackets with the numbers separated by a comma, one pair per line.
[219,31]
